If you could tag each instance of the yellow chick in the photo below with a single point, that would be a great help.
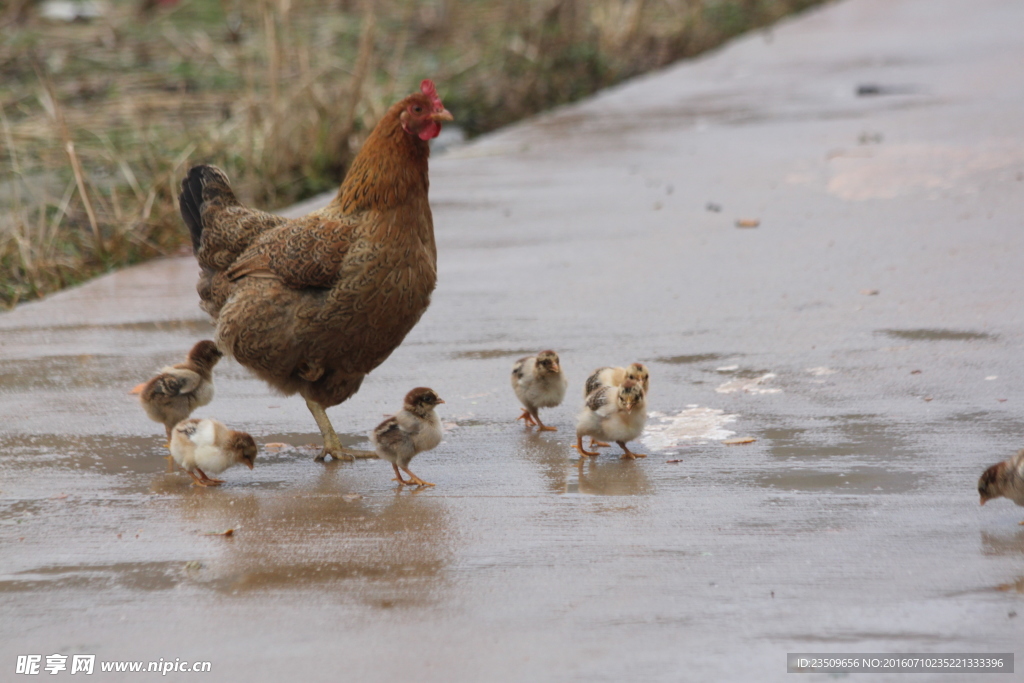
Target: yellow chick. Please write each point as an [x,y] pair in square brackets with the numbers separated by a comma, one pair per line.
[616,414]
[172,395]
[614,377]
[539,383]
[416,428]
[204,445]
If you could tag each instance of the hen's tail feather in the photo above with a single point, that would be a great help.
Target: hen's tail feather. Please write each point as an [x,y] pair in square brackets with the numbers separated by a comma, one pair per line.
[202,184]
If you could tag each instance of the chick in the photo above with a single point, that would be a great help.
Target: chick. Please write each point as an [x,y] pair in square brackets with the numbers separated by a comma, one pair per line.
[205,445]
[1004,479]
[415,429]
[614,413]
[614,377]
[172,395]
[539,383]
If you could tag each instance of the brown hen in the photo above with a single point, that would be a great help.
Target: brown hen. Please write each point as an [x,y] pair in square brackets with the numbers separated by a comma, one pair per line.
[313,304]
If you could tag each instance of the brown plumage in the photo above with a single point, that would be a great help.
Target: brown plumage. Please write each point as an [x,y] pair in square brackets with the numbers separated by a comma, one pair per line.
[1004,480]
[172,395]
[313,304]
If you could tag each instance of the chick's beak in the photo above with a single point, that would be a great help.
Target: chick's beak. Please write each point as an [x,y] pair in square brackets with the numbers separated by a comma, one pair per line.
[440,400]
[984,500]
[443,115]
[249,464]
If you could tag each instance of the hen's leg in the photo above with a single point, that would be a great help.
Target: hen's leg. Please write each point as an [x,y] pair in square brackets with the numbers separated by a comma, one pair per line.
[628,454]
[332,444]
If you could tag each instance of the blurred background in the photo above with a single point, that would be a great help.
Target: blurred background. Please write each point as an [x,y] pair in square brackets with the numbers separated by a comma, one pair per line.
[104,105]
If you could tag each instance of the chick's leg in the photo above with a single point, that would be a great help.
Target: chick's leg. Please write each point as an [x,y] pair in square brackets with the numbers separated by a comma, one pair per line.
[332,444]
[527,418]
[594,443]
[628,454]
[169,458]
[196,481]
[413,479]
[541,427]
[209,481]
[581,449]
[398,476]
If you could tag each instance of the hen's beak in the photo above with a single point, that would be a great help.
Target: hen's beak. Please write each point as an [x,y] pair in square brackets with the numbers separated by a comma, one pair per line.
[443,115]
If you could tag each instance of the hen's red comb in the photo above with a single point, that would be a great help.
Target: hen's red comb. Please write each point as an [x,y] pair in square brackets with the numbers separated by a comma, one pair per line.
[428,89]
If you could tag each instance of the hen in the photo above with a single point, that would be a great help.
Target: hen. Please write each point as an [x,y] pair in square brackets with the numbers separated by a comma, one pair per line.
[313,304]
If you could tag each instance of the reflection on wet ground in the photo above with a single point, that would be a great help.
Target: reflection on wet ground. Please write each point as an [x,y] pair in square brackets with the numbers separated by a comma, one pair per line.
[938,335]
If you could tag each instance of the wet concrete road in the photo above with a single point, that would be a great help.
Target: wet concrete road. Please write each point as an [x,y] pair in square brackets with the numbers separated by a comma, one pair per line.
[867,333]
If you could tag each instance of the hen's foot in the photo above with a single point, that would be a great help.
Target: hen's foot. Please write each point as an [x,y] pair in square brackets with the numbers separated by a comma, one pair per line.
[332,444]
[628,454]
[581,449]
[342,453]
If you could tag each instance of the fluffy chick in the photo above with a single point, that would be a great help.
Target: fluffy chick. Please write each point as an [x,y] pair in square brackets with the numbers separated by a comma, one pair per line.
[204,445]
[172,395]
[614,377]
[615,414]
[539,383]
[415,429]
[1004,479]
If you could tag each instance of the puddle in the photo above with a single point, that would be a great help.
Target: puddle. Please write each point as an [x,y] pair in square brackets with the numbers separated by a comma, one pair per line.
[1012,587]
[749,386]
[937,335]
[693,425]
[862,436]
[71,372]
[494,353]
[854,480]
[138,576]
[606,477]
[694,358]
[1002,544]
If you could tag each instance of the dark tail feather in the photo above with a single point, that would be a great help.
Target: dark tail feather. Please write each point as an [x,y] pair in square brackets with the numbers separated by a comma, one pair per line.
[202,184]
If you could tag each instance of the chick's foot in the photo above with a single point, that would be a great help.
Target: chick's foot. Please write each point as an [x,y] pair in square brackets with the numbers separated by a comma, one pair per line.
[581,449]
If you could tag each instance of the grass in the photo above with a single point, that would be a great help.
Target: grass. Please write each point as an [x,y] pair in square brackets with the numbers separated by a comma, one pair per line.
[100,119]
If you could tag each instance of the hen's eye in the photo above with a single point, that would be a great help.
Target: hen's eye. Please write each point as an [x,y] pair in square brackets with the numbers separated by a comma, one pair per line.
[418,109]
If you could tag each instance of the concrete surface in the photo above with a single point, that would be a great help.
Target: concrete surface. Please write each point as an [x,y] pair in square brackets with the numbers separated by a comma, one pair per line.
[867,333]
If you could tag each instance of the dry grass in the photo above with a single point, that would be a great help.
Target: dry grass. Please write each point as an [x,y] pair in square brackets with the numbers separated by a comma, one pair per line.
[100,119]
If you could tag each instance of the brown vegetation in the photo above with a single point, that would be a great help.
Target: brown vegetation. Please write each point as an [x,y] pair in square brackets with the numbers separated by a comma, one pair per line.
[100,118]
